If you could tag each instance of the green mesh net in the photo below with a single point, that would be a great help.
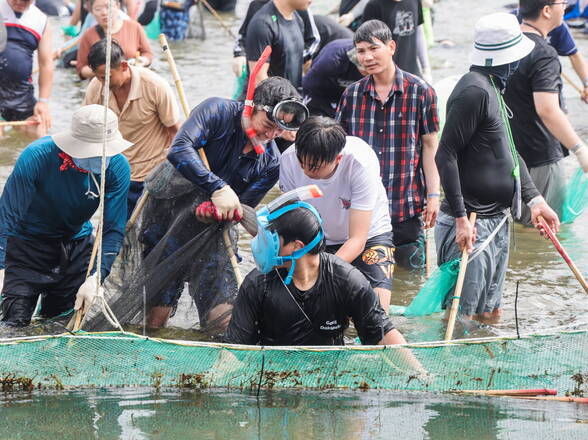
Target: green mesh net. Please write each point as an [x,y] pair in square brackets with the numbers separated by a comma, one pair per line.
[555,361]
[576,197]
[431,296]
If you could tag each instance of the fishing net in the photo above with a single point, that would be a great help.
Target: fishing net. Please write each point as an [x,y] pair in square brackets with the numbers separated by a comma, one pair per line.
[576,196]
[167,251]
[433,293]
[555,361]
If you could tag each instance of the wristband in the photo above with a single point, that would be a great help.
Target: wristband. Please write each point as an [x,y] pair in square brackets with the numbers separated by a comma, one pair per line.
[535,200]
[576,147]
[585,81]
[43,100]
[433,195]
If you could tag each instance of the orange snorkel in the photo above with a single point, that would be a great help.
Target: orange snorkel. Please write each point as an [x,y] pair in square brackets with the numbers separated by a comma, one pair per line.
[248,110]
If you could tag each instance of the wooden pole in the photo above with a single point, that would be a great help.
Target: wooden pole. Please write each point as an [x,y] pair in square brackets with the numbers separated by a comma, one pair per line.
[428,252]
[572,83]
[218,18]
[458,286]
[563,253]
[18,123]
[528,393]
[184,102]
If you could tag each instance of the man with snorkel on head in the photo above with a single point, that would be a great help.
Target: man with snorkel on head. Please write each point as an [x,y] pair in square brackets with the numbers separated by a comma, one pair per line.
[237,140]
[299,294]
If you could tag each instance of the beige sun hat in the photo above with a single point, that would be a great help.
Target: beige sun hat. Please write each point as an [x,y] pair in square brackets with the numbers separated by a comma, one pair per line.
[499,41]
[86,134]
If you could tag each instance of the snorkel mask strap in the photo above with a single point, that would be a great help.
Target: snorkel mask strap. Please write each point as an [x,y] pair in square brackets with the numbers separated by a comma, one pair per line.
[300,252]
[248,110]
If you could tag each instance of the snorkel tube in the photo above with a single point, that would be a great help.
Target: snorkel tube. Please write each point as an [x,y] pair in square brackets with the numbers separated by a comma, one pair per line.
[248,110]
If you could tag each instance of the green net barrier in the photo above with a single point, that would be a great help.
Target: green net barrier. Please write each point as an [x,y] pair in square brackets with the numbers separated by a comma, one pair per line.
[555,361]
[431,296]
[576,197]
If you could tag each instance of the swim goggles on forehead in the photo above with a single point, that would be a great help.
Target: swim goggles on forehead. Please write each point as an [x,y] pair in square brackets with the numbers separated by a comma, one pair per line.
[288,114]
[266,244]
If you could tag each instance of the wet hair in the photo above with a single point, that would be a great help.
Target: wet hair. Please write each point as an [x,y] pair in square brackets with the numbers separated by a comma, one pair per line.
[373,30]
[530,9]
[273,90]
[298,224]
[319,141]
[97,55]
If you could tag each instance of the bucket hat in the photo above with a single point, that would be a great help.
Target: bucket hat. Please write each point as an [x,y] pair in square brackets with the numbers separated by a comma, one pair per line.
[499,41]
[85,136]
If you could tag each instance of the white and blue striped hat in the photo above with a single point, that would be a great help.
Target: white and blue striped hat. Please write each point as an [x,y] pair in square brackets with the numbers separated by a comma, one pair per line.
[499,41]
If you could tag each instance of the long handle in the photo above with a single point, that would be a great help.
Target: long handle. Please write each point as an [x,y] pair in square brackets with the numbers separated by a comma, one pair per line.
[18,123]
[428,252]
[219,19]
[184,102]
[458,286]
[563,253]
[572,83]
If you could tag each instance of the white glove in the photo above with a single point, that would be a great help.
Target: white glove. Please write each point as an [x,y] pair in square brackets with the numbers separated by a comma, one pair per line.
[227,203]
[238,65]
[582,156]
[346,19]
[1,279]
[87,293]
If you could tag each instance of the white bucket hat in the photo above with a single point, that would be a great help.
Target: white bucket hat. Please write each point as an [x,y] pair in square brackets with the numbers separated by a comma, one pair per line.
[86,134]
[499,41]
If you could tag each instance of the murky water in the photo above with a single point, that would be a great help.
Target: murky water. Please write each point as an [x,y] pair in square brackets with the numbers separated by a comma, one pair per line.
[549,296]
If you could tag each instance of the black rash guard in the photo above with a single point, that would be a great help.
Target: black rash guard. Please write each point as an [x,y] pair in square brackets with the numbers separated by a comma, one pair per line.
[474,160]
[265,313]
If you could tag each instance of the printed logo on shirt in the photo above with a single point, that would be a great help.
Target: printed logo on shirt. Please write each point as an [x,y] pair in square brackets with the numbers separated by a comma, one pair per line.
[345,204]
[330,325]
[404,24]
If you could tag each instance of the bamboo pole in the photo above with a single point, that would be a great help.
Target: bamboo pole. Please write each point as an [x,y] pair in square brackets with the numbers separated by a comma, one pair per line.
[218,18]
[554,398]
[563,253]
[511,393]
[458,287]
[428,252]
[18,123]
[572,83]
[184,102]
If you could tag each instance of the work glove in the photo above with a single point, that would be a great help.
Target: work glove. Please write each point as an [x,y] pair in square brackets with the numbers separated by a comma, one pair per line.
[1,279]
[87,293]
[346,19]
[582,156]
[206,212]
[238,65]
[227,203]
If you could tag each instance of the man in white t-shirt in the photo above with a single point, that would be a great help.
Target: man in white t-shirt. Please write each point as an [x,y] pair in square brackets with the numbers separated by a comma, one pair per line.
[354,206]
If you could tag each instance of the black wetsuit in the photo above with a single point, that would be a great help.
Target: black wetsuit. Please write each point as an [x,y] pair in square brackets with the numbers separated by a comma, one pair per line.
[474,160]
[265,313]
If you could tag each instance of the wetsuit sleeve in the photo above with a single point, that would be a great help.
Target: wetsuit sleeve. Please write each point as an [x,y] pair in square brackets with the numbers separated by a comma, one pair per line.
[370,320]
[429,120]
[257,38]
[312,37]
[258,189]
[464,112]
[115,211]
[18,194]
[204,120]
[243,327]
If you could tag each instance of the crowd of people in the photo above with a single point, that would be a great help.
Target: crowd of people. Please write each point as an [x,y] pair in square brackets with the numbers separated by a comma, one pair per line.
[346,105]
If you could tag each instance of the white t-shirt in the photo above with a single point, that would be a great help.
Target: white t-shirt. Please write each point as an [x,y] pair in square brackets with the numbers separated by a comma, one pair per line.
[355,184]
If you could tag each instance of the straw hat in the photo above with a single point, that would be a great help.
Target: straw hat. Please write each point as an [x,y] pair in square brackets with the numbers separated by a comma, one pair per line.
[499,41]
[86,134]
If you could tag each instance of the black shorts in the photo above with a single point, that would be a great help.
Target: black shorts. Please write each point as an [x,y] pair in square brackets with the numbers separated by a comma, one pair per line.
[376,262]
[52,269]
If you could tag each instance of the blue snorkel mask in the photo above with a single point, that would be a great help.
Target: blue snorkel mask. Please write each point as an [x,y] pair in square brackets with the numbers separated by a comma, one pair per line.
[266,244]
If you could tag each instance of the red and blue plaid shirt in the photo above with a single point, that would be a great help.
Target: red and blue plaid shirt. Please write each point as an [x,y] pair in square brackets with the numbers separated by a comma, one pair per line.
[394,129]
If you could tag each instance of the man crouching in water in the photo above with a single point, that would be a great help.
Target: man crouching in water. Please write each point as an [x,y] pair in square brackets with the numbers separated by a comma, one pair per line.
[300,295]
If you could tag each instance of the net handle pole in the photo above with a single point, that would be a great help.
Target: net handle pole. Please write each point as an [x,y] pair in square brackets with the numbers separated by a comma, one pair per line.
[560,249]
[458,287]
[184,103]
[218,18]
[572,83]
[428,252]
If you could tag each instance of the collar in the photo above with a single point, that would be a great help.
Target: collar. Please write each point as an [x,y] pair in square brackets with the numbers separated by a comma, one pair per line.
[367,85]
[135,90]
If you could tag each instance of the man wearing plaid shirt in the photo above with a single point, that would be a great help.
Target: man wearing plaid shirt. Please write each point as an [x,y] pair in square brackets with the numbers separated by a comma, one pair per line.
[396,114]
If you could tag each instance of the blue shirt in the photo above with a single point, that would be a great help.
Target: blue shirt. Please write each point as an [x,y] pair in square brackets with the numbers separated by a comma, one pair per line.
[215,126]
[41,201]
[559,38]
